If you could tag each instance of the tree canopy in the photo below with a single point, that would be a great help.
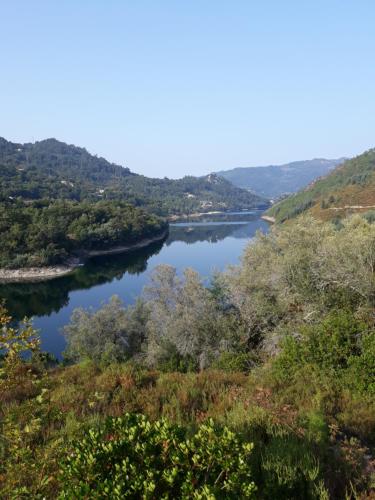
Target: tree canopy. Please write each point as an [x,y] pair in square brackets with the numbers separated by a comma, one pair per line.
[50,232]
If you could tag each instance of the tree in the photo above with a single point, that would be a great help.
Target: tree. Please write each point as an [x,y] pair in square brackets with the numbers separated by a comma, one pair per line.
[113,333]
[183,314]
[299,272]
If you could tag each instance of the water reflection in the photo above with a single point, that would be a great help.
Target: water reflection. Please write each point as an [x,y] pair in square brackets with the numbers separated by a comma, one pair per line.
[213,232]
[44,298]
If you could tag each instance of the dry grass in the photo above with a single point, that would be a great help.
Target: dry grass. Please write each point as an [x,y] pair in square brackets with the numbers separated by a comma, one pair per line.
[351,195]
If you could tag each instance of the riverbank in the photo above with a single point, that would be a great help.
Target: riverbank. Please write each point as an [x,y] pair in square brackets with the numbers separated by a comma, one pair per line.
[128,248]
[38,273]
[51,272]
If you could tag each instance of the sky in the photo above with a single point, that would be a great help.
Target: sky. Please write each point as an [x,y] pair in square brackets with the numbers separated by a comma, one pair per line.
[170,88]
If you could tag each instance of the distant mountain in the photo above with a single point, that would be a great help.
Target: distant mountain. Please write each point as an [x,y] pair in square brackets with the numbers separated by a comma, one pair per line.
[55,170]
[348,189]
[274,181]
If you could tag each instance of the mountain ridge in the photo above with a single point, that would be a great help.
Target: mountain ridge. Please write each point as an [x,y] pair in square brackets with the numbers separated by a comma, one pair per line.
[273,181]
[349,188]
[54,169]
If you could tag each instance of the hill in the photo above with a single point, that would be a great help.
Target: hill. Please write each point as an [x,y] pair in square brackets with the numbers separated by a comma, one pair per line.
[55,170]
[274,181]
[348,189]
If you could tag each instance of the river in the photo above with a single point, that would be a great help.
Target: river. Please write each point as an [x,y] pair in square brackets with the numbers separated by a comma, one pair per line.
[208,244]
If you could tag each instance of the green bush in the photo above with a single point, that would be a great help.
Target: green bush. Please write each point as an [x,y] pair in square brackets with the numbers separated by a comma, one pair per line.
[170,360]
[235,362]
[361,373]
[330,345]
[131,457]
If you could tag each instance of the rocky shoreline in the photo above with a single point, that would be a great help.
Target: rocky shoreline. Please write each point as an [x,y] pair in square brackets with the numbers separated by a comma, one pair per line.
[51,272]
[268,218]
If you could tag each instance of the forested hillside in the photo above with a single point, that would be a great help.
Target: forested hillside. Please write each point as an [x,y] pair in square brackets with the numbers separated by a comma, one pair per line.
[53,169]
[47,233]
[274,181]
[260,385]
[350,188]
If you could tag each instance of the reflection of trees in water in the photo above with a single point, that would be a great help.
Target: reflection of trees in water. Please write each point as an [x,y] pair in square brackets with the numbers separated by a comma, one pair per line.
[223,217]
[44,298]
[193,234]
[213,233]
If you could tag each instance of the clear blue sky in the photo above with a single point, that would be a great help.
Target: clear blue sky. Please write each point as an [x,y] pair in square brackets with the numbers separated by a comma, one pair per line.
[175,87]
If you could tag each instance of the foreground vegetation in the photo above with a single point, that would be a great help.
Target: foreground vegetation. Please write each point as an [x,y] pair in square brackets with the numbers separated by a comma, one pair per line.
[262,384]
[48,233]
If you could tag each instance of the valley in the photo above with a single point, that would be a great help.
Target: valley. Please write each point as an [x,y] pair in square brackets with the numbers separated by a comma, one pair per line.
[187,250]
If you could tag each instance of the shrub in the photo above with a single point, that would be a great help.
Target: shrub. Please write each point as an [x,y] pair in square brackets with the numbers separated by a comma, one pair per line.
[15,343]
[330,345]
[130,457]
[170,360]
[362,368]
[235,362]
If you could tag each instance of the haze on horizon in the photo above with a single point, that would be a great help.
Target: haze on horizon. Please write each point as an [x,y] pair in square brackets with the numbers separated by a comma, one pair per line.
[172,88]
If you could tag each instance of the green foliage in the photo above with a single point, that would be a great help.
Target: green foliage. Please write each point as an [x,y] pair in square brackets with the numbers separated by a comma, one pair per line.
[131,457]
[235,362]
[290,470]
[361,373]
[169,359]
[330,344]
[48,233]
[333,345]
[14,343]
[24,414]
[291,455]
[290,276]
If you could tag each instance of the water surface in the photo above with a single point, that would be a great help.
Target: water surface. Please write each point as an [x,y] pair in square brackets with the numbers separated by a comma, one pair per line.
[208,244]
